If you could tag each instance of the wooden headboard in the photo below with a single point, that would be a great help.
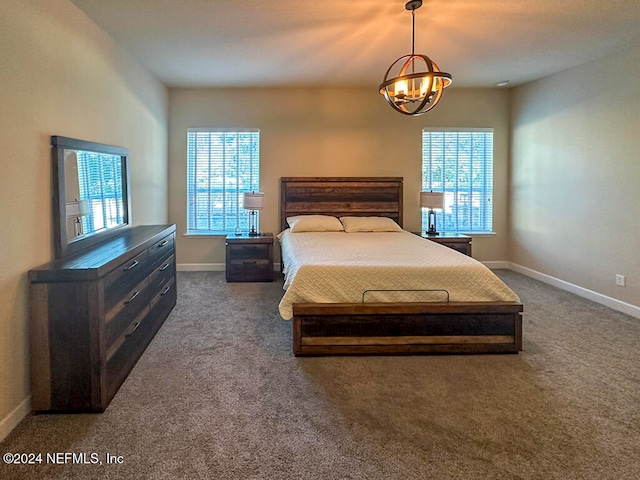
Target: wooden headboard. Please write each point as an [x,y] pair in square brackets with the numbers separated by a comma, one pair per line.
[341,196]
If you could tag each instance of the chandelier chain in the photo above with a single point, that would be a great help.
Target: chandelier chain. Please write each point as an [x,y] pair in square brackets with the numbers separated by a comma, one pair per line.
[413,39]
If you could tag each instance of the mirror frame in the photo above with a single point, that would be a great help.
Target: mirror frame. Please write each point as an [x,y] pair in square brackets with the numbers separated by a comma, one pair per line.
[62,245]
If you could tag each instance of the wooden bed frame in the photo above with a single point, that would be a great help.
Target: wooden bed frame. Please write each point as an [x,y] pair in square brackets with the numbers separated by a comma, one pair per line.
[387,328]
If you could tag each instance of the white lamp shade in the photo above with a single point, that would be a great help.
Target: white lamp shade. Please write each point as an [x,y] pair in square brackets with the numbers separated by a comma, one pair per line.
[253,201]
[78,208]
[431,199]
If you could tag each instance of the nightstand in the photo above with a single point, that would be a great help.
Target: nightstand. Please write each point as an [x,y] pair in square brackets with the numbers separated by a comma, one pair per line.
[454,240]
[249,259]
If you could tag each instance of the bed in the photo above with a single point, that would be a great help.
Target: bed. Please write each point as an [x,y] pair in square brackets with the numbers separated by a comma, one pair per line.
[388,312]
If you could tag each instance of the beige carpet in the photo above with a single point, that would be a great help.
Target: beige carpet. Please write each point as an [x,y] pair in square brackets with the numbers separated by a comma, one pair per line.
[218,395]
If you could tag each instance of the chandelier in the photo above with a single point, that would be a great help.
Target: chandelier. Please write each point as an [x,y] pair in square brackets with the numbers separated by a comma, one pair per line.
[413,84]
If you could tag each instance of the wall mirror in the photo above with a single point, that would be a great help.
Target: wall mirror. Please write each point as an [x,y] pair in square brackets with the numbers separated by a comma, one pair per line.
[91,193]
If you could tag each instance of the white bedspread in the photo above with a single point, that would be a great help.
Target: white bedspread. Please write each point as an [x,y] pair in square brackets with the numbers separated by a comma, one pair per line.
[336,267]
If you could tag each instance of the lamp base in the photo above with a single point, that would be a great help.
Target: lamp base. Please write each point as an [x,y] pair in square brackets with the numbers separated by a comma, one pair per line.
[252,228]
[432,233]
[432,223]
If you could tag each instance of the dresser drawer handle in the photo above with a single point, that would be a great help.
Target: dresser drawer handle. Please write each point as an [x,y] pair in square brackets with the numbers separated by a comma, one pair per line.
[249,262]
[134,264]
[135,327]
[163,243]
[164,267]
[133,297]
[166,290]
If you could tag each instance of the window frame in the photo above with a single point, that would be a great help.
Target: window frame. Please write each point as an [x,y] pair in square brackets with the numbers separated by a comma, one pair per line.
[452,217]
[232,215]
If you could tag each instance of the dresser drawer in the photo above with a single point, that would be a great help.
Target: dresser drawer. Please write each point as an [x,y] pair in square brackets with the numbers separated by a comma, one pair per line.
[161,248]
[166,296]
[162,274]
[125,312]
[124,278]
[125,353]
[254,251]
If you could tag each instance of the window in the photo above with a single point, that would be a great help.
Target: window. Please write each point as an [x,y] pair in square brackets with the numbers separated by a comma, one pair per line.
[460,164]
[222,164]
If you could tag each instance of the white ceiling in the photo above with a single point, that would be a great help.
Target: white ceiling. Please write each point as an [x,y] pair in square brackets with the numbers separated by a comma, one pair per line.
[353,42]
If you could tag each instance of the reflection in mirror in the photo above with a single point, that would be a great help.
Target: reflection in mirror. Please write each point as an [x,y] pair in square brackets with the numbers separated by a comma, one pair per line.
[92,193]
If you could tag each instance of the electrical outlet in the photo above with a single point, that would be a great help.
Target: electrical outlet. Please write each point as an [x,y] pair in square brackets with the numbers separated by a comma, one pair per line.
[620,280]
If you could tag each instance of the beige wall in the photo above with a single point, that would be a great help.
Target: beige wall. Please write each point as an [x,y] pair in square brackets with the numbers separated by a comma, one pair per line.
[330,132]
[575,199]
[61,75]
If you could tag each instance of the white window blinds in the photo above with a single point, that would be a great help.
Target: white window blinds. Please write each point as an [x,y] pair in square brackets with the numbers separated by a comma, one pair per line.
[460,164]
[222,164]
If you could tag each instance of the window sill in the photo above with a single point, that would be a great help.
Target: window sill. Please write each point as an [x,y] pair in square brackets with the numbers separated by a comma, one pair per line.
[206,235]
[479,234]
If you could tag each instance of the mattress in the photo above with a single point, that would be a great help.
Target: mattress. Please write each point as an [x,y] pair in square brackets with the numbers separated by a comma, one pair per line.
[339,267]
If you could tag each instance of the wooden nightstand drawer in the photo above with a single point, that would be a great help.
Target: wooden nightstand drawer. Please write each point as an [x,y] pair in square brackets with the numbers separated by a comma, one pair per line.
[250,259]
[462,247]
[253,251]
[455,241]
[250,271]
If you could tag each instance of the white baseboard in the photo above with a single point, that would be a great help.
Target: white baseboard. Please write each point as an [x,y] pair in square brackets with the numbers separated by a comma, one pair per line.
[612,303]
[11,421]
[200,267]
[497,265]
[209,267]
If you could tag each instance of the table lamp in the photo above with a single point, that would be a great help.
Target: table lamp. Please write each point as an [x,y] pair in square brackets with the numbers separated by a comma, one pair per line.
[253,201]
[76,210]
[431,200]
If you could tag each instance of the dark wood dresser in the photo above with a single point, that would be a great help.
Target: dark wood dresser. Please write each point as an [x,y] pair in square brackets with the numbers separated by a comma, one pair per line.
[249,258]
[93,314]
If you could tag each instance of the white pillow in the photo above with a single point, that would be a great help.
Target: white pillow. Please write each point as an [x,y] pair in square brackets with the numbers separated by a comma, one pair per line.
[314,223]
[369,224]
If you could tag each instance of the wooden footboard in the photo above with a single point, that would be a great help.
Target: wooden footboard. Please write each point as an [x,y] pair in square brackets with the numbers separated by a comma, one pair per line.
[406,328]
